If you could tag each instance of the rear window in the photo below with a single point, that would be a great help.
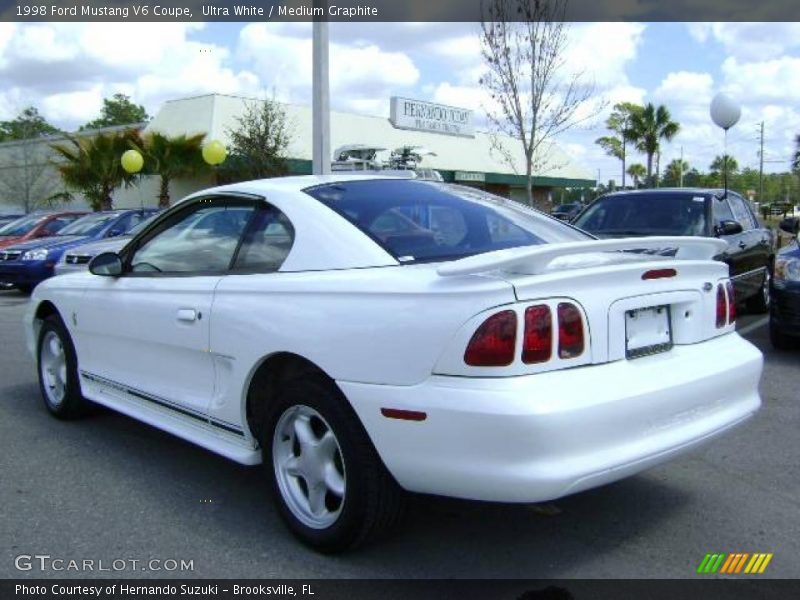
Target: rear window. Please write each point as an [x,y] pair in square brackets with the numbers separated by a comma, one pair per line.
[419,221]
[646,214]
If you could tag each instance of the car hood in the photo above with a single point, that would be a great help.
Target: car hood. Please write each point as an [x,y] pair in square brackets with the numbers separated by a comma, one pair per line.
[792,250]
[51,243]
[95,248]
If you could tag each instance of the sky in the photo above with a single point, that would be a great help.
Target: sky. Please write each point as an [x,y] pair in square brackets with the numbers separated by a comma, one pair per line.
[66,69]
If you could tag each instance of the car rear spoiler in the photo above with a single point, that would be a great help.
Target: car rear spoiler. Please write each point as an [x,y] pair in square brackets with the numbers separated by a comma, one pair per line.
[535,259]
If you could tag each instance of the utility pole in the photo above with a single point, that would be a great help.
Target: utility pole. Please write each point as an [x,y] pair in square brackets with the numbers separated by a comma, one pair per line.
[761,166]
[681,178]
[320,102]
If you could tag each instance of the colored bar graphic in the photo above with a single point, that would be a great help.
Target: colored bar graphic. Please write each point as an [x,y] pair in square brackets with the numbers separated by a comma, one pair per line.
[734,562]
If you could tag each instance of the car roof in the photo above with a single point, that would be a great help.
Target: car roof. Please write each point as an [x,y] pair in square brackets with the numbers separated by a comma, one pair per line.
[670,190]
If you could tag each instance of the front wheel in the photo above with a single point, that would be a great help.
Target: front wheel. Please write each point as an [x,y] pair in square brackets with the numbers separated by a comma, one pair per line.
[759,304]
[332,489]
[58,372]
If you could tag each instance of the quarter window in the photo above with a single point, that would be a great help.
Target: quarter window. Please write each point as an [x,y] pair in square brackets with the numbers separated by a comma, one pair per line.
[267,242]
[201,241]
[722,212]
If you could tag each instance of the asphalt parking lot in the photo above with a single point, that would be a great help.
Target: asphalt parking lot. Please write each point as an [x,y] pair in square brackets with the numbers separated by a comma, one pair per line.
[109,488]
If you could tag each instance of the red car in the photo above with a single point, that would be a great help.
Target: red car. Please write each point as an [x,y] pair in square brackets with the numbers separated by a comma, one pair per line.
[36,226]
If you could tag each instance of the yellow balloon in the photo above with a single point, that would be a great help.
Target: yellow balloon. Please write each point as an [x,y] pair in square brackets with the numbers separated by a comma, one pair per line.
[132,161]
[214,152]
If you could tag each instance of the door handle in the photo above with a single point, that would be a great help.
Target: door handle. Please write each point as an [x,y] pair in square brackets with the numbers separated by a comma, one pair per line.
[742,245]
[187,314]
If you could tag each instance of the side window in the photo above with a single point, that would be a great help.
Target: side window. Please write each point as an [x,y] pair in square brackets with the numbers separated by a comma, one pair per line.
[202,240]
[740,212]
[58,224]
[722,212]
[267,242]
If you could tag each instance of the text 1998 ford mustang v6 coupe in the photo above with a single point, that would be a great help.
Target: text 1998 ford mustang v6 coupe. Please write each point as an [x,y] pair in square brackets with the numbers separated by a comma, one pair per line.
[363,336]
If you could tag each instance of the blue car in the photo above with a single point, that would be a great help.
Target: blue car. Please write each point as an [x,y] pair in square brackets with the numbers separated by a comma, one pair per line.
[27,264]
[784,314]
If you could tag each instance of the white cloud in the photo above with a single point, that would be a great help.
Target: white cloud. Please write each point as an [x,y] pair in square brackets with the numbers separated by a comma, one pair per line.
[749,41]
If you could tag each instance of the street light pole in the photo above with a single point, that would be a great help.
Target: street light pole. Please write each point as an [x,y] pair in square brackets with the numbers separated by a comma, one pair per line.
[320,102]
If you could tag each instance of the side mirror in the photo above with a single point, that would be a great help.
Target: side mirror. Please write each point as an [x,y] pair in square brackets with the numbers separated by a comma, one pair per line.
[728,228]
[790,225]
[106,264]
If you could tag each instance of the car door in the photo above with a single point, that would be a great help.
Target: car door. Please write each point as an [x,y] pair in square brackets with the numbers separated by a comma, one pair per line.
[734,255]
[148,330]
[754,255]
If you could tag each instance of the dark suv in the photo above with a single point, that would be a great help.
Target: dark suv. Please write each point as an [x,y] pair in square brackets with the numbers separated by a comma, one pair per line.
[698,212]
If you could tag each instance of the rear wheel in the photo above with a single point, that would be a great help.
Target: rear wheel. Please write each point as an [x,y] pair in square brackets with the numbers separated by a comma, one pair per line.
[58,373]
[332,489]
[760,302]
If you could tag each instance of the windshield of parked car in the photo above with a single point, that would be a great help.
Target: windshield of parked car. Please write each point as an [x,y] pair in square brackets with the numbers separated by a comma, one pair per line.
[88,225]
[428,221]
[567,207]
[656,213]
[135,230]
[22,225]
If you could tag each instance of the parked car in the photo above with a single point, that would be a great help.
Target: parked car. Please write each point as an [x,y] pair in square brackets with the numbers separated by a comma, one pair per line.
[27,264]
[37,225]
[750,250]
[567,212]
[506,357]
[784,316]
[7,218]
[77,259]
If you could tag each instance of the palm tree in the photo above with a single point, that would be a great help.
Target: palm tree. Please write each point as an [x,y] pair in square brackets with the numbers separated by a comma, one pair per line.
[619,122]
[637,172]
[649,126]
[675,171]
[723,160]
[171,158]
[91,165]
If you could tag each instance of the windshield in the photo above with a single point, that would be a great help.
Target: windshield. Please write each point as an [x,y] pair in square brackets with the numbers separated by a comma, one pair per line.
[567,207]
[427,221]
[88,225]
[666,213]
[135,230]
[22,225]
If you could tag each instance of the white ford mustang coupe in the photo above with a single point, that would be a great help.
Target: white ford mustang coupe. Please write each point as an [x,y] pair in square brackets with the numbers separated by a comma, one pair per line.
[366,335]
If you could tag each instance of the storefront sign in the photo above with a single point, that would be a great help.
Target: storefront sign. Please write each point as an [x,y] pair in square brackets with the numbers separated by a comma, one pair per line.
[435,118]
[469,176]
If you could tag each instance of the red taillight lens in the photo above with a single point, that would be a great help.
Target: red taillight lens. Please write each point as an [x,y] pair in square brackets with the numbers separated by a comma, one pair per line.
[538,341]
[570,331]
[492,345]
[659,274]
[731,303]
[722,307]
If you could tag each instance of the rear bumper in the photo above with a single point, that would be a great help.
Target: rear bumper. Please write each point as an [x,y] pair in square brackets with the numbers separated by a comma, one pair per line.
[539,437]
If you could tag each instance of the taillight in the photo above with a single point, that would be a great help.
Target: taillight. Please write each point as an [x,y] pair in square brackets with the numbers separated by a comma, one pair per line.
[538,341]
[570,331]
[492,345]
[722,307]
[731,303]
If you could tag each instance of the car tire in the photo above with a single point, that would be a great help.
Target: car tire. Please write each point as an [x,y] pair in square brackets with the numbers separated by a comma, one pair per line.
[778,339]
[331,487]
[759,304]
[58,371]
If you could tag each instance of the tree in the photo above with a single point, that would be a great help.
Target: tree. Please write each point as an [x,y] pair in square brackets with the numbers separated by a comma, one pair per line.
[118,110]
[28,124]
[523,45]
[26,178]
[649,126]
[258,143]
[619,122]
[675,172]
[720,161]
[91,165]
[637,171]
[171,158]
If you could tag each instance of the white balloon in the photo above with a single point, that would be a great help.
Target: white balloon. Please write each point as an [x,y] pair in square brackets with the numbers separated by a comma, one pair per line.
[724,111]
